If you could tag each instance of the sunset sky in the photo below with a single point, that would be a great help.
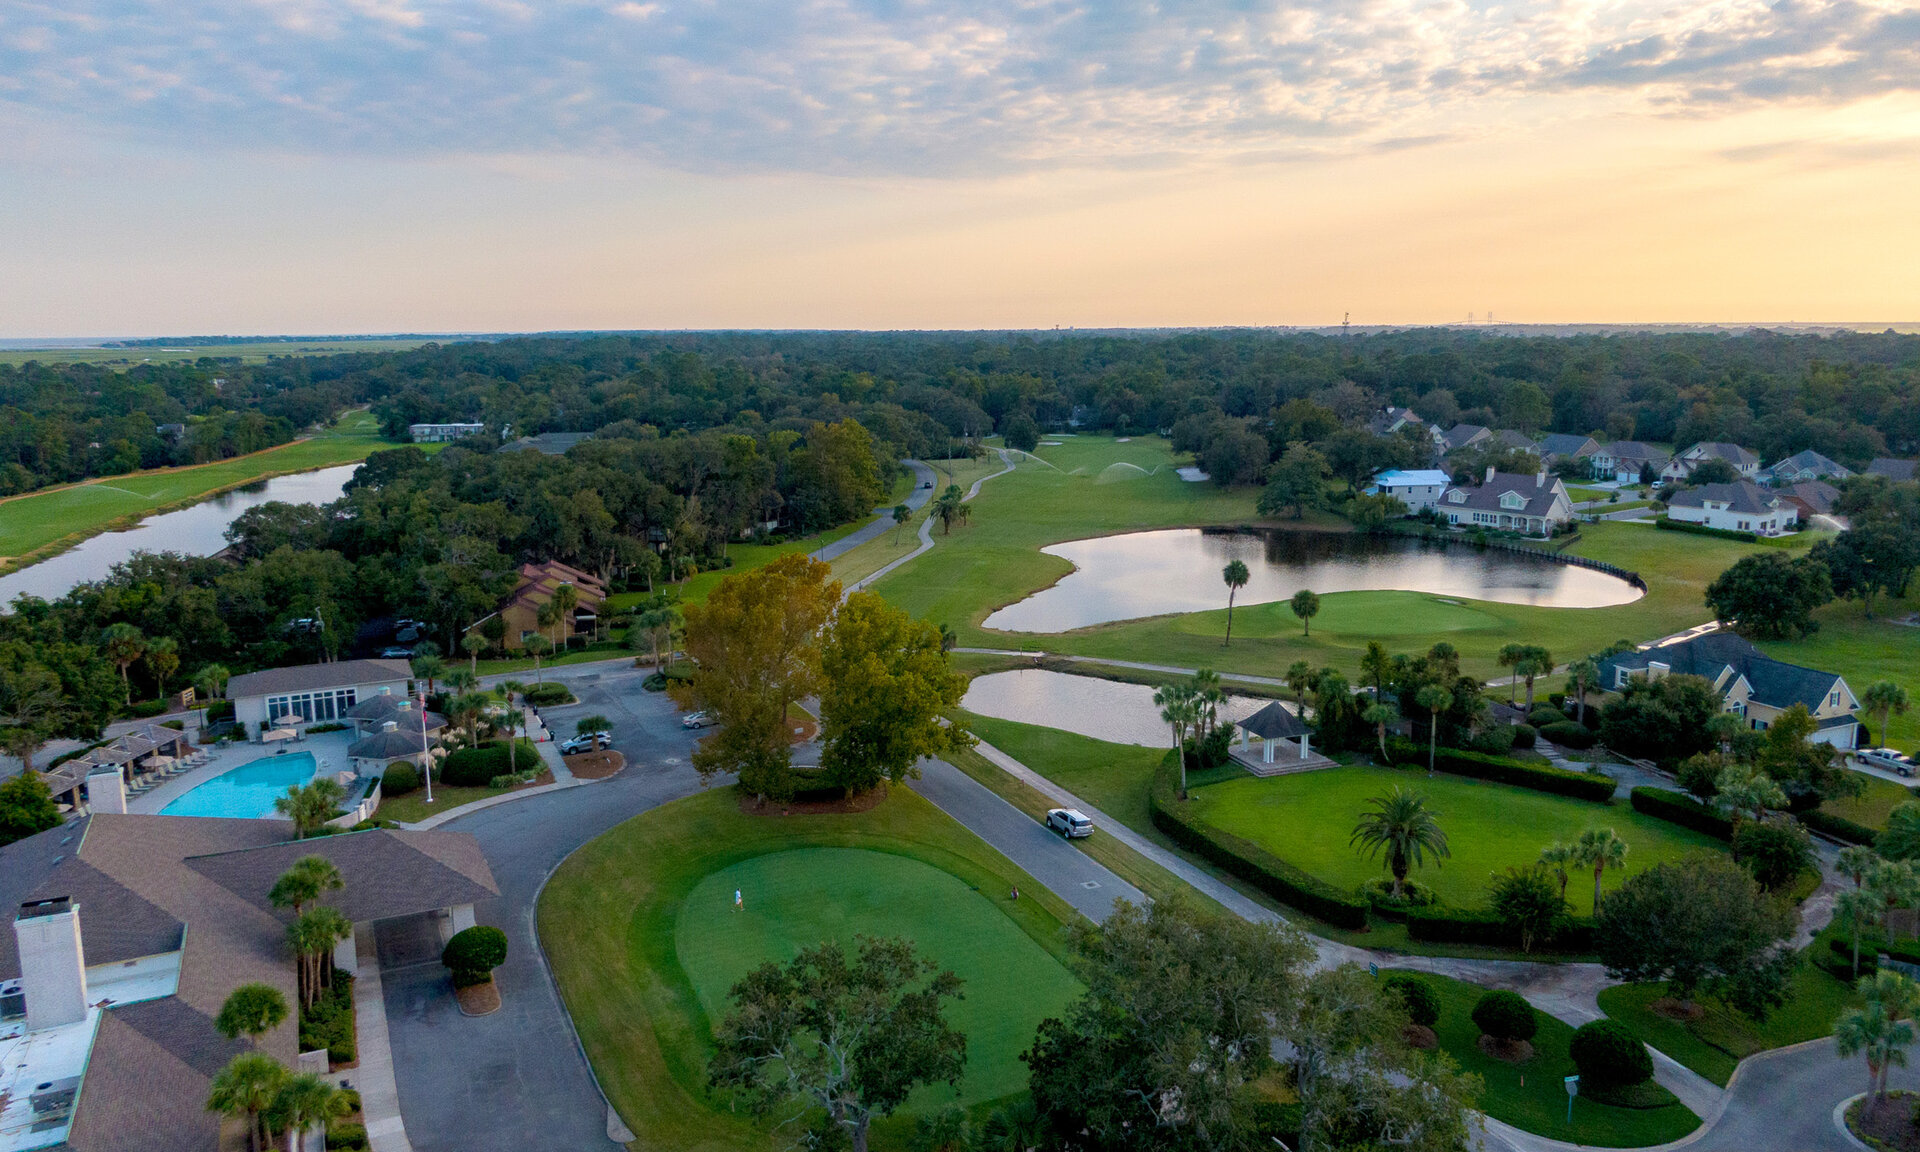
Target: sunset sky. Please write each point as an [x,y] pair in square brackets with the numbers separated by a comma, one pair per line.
[247,166]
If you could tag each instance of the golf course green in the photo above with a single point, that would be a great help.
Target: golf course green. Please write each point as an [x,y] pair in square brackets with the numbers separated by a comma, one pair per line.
[800,898]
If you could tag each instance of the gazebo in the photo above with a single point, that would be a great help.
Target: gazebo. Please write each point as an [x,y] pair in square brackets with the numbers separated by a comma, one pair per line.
[1273,724]
[389,744]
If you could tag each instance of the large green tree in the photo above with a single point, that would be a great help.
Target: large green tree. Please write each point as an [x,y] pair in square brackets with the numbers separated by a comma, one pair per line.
[1703,925]
[885,684]
[1770,596]
[26,806]
[1665,719]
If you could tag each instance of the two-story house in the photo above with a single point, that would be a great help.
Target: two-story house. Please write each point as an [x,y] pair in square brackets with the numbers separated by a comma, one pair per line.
[1626,461]
[1419,489]
[1807,465]
[1745,464]
[1753,685]
[1739,507]
[1533,505]
[1558,446]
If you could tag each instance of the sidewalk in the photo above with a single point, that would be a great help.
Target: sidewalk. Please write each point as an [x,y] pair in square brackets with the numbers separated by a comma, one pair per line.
[379,1094]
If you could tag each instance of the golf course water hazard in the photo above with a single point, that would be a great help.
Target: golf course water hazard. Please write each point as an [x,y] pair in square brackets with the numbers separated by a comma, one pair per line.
[1178,570]
[1103,709]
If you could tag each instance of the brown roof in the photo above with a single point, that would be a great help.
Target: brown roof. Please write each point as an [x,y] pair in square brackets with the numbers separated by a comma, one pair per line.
[387,872]
[147,1080]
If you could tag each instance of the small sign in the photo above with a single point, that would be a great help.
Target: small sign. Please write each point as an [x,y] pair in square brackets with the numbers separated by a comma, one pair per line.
[1573,1089]
[1373,969]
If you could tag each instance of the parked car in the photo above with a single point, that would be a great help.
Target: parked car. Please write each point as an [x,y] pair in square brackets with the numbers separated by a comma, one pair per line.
[586,742]
[1069,823]
[696,720]
[1887,758]
[396,653]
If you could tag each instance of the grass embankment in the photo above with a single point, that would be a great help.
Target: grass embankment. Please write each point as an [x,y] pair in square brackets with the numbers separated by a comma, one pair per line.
[619,930]
[1532,1095]
[1083,490]
[1713,1044]
[40,524]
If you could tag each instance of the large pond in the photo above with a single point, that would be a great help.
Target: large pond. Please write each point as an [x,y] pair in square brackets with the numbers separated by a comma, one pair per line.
[199,530]
[1178,570]
[1103,709]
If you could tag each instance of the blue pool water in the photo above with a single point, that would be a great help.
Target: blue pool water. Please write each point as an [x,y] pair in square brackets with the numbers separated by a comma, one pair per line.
[246,792]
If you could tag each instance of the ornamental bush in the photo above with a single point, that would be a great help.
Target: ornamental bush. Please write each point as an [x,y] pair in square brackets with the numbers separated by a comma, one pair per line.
[1419,998]
[1608,1056]
[548,695]
[1505,1015]
[1524,736]
[1568,734]
[400,778]
[474,953]
[474,767]
[1541,717]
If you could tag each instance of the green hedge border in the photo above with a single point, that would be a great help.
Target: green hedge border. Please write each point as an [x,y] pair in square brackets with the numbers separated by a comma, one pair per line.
[1838,827]
[1682,809]
[1557,781]
[1669,524]
[1478,926]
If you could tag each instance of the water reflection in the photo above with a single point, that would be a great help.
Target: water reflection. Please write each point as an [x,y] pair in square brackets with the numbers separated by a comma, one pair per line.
[1178,570]
[198,531]
[1103,709]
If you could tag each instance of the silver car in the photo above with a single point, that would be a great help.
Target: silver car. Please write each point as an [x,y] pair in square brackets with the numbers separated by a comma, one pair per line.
[1887,758]
[1069,823]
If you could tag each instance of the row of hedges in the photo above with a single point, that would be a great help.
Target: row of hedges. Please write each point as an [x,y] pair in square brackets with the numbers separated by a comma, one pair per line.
[1540,778]
[1570,734]
[1681,809]
[1477,926]
[476,767]
[1248,860]
[1671,525]
[548,695]
[1838,827]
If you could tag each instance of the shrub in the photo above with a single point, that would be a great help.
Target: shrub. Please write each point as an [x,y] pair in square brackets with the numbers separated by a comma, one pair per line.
[143,709]
[1379,893]
[474,953]
[1671,525]
[1838,827]
[329,726]
[473,767]
[1681,809]
[548,695]
[1524,736]
[346,1137]
[1541,717]
[1419,998]
[1492,741]
[1568,734]
[176,725]
[1775,850]
[1505,1015]
[329,1022]
[1248,860]
[400,778]
[1480,926]
[1607,1055]
[1539,777]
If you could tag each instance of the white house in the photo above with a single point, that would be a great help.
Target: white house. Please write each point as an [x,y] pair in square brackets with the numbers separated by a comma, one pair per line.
[1534,505]
[1623,461]
[435,433]
[1419,489]
[1745,464]
[1738,507]
[312,693]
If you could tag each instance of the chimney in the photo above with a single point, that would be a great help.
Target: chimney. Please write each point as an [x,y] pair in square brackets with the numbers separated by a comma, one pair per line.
[1539,479]
[1489,478]
[106,789]
[53,967]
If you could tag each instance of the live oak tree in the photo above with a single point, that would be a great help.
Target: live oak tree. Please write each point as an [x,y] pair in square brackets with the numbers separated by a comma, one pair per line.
[26,807]
[1703,925]
[884,684]
[851,1036]
[1770,597]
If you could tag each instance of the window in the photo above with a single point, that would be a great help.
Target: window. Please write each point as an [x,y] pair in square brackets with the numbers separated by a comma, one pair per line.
[311,707]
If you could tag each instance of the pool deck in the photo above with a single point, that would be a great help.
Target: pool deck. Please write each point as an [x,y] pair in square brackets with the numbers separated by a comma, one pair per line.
[329,748]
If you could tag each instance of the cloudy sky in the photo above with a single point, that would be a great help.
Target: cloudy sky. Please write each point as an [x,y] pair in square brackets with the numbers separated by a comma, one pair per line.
[175,166]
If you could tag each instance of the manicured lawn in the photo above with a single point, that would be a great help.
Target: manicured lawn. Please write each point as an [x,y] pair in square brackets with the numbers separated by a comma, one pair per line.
[612,919]
[1715,1043]
[1308,818]
[413,807]
[44,518]
[1079,492]
[1112,777]
[1532,1096]
[1863,651]
[799,898]
[1870,807]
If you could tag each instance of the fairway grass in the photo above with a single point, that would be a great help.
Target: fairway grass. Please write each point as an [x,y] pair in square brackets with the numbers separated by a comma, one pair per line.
[39,524]
[611,920]
[799,898]
[1307,819]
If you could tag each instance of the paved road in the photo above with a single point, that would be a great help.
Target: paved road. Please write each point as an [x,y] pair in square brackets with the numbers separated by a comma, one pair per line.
[519,1081]
[922,475]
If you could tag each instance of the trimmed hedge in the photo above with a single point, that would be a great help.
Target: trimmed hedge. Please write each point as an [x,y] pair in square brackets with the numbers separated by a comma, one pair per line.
[1506,1015]
[1669,524]
[1478,926]
[1871,946]
[1607,1054]
[1422,1002]
[1838,827]
[1569,734]
[400,778]
[1524,736]
[548,695]
[1681,809]
[1249,861]
[476,767]
[1541,717]
[1540,778]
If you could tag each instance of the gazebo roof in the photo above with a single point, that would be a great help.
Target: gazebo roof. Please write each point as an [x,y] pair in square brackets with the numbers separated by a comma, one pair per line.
[1274,722]
[386,745]
[377,707]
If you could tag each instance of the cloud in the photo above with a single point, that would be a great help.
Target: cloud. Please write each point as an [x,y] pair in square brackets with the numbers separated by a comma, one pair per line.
[914,87]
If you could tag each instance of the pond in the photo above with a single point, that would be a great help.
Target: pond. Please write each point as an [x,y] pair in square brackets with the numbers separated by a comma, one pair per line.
[1178,570]
[1103,709]
[198,530]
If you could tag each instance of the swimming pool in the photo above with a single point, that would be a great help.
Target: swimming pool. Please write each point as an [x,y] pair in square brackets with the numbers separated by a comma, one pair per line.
[246,792]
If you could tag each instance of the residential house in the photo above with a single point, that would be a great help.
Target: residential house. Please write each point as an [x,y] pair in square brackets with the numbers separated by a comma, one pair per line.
[129,932]
[1392,419]
[1465,436]
[1516,441]
[550,443]
[1739,507]
[1745,464]
[1419,489]
[438,433]
[312,693]
[1898,471]
[1807,465]
[1625,461]
[1810,498]
[1558,446]
[520,611]
[1534,505]
[1754,685]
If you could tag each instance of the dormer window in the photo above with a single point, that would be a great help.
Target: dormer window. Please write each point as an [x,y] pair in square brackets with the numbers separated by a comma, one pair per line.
[1457,496]
[1511,500]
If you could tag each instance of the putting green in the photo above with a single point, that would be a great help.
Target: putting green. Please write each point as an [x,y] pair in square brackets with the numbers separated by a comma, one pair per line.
[798,898]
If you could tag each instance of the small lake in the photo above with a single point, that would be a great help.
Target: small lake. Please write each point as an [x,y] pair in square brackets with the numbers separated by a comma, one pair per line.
[199,530]
[1178,570]
[1103,709]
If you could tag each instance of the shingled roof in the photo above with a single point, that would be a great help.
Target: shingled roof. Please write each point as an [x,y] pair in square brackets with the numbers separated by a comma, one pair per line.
[312,677]
[1739,496]
[1773,682]
[1274,722]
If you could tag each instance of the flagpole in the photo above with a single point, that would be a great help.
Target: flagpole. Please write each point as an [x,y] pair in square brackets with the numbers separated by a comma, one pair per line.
[426,757]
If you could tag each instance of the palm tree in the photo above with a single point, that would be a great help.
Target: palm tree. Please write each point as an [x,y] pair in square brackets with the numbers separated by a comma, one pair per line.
[246,1088]
[311,805]
[1306,605]
[1896,883]
[1599,849]
[1885,699]
[1377,666]
[1538,663]
[1860,907]
[1869,1030]
[1435,700]
[123,644]
[1856,862]
[211,680]
[507,690]
[1177,709]
[1208,696]
[429,668]
[901,514]
[1581,674]
[1382,716]
[1559,857]
[1300,680]
[312,937]
[305,1102]
[1749,789]
[465,710]
[1236,576]
[252,1010]
[308,879]
[655,624]
[162,658]
[1404,827]
[1510,656]
[462,680]
[537,647]
[565,599]
[473,643]
[948,637]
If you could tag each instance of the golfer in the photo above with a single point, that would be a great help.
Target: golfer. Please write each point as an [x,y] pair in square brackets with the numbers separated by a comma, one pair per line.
[737,903]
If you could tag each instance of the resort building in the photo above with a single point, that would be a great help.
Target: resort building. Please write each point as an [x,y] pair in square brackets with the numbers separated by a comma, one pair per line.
[129,932]
[311,693]
[519,614]
[438,433]
[1744,463]
[1754,685]
[1532,505]
[1740,507]
[1807,465]
[1626,461]
[1419,489]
